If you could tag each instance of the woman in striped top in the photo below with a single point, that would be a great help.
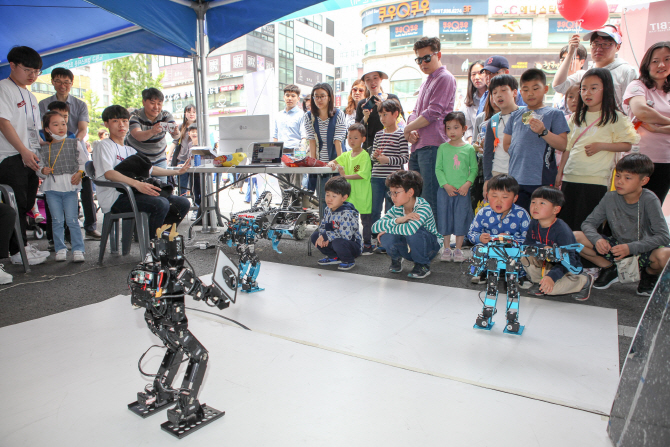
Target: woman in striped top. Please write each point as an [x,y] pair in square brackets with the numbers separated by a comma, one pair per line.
[325,127]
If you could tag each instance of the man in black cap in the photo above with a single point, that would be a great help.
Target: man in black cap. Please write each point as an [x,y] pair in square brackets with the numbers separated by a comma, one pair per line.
[496,65]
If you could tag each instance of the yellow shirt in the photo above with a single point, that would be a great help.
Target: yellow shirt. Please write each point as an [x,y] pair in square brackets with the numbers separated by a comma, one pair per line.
[597,169]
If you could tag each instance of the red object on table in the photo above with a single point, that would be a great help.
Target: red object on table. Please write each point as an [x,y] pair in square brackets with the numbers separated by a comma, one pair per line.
[307,162]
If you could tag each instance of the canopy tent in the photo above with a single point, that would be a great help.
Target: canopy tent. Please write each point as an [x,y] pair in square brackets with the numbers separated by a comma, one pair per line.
[64,29]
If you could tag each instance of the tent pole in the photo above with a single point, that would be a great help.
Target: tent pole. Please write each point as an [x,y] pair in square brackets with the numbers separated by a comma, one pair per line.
[201,90]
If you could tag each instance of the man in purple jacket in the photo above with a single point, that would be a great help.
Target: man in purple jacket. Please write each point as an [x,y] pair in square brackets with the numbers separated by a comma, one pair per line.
[425,130]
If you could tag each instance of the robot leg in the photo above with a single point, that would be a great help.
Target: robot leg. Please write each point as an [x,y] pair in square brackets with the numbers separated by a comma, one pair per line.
[485,319]
[512,326]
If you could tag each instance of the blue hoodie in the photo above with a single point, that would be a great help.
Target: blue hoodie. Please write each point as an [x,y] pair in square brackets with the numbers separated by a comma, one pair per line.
[341,223]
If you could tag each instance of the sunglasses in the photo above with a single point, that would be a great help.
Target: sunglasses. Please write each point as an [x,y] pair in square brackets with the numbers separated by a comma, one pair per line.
[358,90]
[427,58]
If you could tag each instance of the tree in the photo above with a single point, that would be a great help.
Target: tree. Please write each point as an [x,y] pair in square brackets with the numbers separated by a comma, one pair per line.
[94,112]
[129,76]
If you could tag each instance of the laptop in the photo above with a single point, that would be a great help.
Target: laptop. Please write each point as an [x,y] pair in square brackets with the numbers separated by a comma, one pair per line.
[267,154]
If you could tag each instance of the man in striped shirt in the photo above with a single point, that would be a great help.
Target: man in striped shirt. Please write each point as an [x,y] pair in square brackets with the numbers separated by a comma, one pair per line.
[408,230]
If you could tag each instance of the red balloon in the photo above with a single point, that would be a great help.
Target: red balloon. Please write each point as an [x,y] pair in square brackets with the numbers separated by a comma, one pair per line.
[572,9]
[596,15]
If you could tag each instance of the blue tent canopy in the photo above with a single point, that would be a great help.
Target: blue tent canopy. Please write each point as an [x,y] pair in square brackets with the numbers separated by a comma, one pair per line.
[64,29]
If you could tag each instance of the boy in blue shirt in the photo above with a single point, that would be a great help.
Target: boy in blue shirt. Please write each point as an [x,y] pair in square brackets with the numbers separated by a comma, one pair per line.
[338,236]
[501,216]
[532,136]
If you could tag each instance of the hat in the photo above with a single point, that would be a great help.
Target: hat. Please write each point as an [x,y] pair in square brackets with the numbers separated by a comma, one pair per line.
[495,63]
[605,31]
[193,126]
[381,74]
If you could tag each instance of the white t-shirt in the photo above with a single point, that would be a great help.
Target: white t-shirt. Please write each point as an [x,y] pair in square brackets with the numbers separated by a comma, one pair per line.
[654,145]
[106,155]
[20,107]
[500,157]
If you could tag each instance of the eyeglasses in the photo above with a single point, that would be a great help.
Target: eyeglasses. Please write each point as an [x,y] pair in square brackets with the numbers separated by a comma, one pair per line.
[584,90]
[65,83]
[320,97]
[393,194]
[362,90]
[30,70]
[603,45]
[427,58]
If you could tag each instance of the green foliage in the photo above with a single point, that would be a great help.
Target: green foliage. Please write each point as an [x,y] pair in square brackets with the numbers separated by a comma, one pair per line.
[129,76]
[94,115]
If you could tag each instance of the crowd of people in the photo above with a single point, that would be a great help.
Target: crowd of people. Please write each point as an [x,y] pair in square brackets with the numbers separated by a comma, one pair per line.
[591,167]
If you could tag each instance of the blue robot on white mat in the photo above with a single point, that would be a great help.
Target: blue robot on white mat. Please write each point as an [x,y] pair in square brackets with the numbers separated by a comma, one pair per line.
[501,259]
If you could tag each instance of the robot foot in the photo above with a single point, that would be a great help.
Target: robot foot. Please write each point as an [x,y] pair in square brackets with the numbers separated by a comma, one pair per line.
[147,404]
[514,328]
[182,428]
[483,323]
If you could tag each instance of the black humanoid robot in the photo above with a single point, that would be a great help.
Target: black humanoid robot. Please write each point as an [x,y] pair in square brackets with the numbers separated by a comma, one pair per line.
[159,284]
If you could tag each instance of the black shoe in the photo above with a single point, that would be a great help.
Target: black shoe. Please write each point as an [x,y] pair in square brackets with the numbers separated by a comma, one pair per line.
[367,250]
[647,283]
[606,278]
[534,290]
[396,266]
[93,234]
[419,271]
[585,293]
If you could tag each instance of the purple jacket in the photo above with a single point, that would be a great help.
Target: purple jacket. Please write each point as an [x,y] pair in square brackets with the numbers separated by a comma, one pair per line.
[435,101]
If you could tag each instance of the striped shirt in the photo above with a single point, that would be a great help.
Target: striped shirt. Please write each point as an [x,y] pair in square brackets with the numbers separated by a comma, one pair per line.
[421,207]
[154,147]
[395,147]
[340,133]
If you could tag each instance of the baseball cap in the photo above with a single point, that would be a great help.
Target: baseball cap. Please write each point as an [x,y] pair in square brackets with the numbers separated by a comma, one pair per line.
[605,31]
[495,63]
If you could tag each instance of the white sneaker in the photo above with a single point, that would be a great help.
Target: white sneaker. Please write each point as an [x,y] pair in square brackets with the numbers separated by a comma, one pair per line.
[33,249]
[61,255]
[78,256]
[33,259]
[5,278]
[458,256]
[447,255]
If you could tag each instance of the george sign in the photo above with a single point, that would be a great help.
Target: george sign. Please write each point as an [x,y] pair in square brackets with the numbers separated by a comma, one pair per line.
[307,77]
[407,30]
[463,26]
[421,8]
[86,60]
[510,26]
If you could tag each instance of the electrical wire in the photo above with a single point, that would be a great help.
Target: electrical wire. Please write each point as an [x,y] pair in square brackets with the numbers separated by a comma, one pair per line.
[220,316]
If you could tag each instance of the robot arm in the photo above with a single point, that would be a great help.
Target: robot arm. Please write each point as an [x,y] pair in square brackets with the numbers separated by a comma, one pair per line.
[199,291]
[555,254]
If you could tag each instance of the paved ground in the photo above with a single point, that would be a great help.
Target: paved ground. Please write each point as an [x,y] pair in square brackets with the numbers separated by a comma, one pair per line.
[56,287]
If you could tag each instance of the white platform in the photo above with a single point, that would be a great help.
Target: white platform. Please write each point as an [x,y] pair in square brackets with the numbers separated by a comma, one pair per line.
[568,353]
[69,376]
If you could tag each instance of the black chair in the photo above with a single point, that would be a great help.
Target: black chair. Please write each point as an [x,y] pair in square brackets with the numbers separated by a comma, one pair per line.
[130,221]
[10,199]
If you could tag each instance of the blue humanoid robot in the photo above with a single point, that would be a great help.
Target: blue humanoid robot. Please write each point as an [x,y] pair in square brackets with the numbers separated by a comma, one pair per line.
[501,259]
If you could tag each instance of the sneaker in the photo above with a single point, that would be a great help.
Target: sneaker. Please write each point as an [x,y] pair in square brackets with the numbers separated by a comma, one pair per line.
[447,255]
[607,277]
[94,234]
[481,279]
[380,250]
[5,278]
[585,293]
[328,261]
[33,259]
[534,290]
[647,283]
[33,249]
[61,255]
[38,218]
[396,266]
[419,271]
[347,265]
[458,255]
[78,256]
[367,250]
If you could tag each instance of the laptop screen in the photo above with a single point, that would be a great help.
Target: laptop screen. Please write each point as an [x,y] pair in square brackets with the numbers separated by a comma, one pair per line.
[267,153]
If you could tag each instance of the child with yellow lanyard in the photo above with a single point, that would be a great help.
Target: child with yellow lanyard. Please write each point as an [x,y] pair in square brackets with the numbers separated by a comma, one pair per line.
[61,165]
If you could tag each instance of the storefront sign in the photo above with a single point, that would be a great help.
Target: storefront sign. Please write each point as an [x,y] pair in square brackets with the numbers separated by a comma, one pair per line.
[516,7]
[421,8]
[406,30]
[564,26]
[456,26]
[510,26]
[307,77]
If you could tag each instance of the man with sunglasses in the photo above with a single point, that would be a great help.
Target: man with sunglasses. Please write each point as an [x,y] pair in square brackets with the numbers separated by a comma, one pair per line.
[605,43]
[425,130]
[77,123]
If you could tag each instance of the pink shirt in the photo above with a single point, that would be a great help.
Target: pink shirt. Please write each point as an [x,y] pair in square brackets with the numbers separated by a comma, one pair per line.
[654,145]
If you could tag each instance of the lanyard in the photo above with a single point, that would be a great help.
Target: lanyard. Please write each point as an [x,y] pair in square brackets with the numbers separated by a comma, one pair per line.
[24,104]
[56,159]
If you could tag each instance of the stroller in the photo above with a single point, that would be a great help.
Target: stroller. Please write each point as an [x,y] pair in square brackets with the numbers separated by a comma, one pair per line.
[38,229]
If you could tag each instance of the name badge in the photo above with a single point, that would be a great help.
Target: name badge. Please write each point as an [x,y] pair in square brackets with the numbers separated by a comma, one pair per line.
[33,138]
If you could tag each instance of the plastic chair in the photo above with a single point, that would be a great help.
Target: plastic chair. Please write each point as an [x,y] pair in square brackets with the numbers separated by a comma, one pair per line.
[130,221]
[10,199]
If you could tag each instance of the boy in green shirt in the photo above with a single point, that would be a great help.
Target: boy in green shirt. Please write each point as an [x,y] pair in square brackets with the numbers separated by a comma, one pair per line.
[356,167]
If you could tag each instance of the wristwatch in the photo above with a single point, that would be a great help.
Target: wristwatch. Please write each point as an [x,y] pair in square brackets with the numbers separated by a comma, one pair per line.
[543,133]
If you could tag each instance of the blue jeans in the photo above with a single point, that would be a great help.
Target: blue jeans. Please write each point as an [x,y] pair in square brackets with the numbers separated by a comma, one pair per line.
[162,163]
[423,161]
[379,198]
[156,207]
[252,183]
[343,249]
[64,209]
[423,246]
